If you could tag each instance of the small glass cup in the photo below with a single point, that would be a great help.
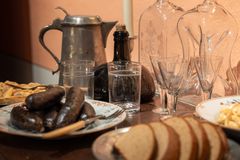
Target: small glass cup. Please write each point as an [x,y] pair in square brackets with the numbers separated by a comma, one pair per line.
[124,85]
[207,68]
[79,73]
[173,71]
[163,108]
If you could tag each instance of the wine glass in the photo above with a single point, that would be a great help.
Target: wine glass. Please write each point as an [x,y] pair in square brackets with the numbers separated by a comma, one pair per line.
[161,86]
[173,70]
[207,68]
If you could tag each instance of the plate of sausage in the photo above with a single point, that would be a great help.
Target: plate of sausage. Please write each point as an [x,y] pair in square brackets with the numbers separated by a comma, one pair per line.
[56,108]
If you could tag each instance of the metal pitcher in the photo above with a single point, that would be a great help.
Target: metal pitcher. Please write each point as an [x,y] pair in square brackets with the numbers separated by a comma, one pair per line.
[83,38]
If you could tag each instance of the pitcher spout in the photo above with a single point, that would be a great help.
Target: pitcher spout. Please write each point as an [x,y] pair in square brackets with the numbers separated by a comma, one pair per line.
[106,28]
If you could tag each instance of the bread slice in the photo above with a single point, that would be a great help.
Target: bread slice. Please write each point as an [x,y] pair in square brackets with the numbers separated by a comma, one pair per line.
[216,145]
[203,143]
[188,140]
[168,144]
[223,139]
[137,143]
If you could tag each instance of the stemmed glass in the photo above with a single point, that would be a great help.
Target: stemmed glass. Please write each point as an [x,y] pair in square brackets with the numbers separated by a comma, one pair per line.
[207,68]
[161,87]
[173,70]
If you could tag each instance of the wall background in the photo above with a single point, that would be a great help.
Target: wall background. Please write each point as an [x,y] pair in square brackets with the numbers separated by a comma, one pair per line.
[42,12]
[22,21]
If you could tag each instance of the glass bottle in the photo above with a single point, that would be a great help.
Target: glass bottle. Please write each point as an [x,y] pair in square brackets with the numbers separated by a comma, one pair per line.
[121,44]
[210,29]
[121,53]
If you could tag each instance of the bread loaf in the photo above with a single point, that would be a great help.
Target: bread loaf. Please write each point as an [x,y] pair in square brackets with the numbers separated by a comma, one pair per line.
[147,86]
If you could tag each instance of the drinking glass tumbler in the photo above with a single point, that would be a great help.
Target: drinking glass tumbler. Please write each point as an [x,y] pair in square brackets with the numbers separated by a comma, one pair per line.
[124,85]
[81,74]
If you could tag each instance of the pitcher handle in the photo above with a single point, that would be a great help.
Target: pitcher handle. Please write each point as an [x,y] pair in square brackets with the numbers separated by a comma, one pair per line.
[56,25]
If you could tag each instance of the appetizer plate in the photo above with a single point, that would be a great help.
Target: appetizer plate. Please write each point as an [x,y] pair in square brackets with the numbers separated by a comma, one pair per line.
[101,108]
[13,92]
[11,100]
[210,109]
[102,147]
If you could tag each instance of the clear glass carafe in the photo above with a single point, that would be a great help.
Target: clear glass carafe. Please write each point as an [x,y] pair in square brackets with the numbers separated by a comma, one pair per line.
[158,36]
[158,31]
[210,29]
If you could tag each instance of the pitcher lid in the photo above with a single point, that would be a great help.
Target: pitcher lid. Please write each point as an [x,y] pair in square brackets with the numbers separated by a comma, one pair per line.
[81,20]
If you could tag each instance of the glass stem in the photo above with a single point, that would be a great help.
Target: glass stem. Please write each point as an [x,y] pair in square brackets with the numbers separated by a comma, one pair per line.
[165,100]
[161,95]
[210,94]
[175,99]
[207,95]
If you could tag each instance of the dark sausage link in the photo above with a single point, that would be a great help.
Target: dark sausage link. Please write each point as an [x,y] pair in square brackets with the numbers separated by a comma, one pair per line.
[72,107]
[87,111]
[50,117]
[44,100]
[21,118]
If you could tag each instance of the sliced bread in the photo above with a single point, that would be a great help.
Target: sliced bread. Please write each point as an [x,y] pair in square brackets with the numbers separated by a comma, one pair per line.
[168,144]
[138,143]
[216,144]
[223,139]
[188,140]
[203,143]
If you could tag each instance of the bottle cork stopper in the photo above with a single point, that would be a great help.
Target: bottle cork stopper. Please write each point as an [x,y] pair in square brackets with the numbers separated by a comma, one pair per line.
[120,27]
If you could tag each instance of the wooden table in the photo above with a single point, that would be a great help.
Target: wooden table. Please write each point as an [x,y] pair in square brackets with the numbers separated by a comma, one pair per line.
[20,148]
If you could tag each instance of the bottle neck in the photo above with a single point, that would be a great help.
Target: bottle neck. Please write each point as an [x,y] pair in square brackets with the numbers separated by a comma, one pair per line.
[121,46]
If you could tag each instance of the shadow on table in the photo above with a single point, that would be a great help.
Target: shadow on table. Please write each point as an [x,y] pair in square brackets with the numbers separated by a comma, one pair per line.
[20,147]
[233,134]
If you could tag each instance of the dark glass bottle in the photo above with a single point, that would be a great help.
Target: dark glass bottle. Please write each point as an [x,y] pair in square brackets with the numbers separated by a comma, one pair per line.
[121,44]
[121,53]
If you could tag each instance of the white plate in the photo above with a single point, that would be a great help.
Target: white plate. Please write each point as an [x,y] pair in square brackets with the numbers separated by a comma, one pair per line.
[210,109]
[103,146]
[101,108]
